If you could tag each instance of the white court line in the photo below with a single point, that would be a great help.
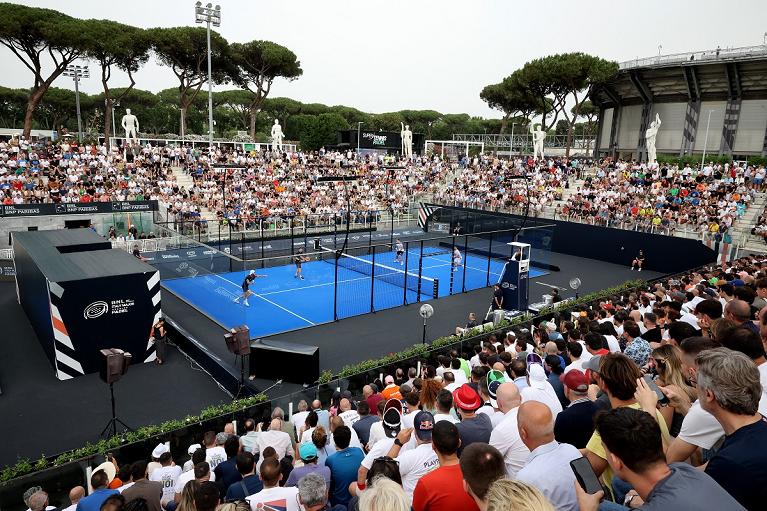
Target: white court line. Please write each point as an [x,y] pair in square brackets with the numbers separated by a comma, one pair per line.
[313,285]
[268,300]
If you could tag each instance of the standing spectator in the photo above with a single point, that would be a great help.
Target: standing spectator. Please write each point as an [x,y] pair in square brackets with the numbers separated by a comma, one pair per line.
[415,463]
[275,437]
[206,497]
[249,440]
[541,390]
[436,491]
[575,424]
[372,397]
[299,418]
[250,483]
[343,466]
[362,426]
[481,465]
[473,427]
[272,494]
[729,389]
[445,410]
[345,411]
[634,446]
[750,344]
[214,453]
[548,466]
[505,436]
[308,453]
[167,475]
[313,494]
[142,488]
[99,482]
[637,349]
[323,416]
[391,391]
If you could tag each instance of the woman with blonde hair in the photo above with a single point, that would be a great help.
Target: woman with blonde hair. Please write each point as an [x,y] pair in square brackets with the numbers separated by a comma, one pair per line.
[187,496]
[667,361]
[508,495]
[384,495]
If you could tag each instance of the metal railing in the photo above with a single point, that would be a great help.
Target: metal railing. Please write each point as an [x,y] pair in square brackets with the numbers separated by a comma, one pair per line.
[696,57]
[523,141]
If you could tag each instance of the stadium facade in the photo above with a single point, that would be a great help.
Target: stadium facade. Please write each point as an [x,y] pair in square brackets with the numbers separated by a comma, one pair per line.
[714,100]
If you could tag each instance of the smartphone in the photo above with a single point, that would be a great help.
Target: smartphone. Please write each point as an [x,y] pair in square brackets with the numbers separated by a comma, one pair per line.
[585,475]
[662,399]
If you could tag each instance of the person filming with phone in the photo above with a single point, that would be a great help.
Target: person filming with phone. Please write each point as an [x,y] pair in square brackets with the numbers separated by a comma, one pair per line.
[634,448]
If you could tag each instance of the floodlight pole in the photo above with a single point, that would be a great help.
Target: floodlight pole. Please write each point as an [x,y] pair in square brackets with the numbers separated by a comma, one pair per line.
[76,72]
[705,143]
[209,15]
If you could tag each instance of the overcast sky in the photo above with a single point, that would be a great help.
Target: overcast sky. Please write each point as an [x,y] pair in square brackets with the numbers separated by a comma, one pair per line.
[388,55]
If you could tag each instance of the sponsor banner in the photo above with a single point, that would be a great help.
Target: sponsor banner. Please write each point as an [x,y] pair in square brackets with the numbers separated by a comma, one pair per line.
[77,208]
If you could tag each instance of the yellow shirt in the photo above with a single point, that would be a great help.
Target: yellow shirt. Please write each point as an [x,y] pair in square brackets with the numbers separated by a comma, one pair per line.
[595,445]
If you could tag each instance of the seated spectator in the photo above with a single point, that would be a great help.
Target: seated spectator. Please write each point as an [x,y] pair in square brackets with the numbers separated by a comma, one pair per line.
[740,312]
[308,453]
[637,349]
[150,491]
[481,465]
[343,466]
[214,452]
[473,427]
[250,483]
[391,391]
[506,495]
[470,323]
[634,447]
[548,466]
[287,426]
[99,482]
[415,463]
[167,475]
[273,495]
[381,466]
[313,494]
[200,471]
[575,424]
[347,413]
[384,495]
[226,471]
[729,389]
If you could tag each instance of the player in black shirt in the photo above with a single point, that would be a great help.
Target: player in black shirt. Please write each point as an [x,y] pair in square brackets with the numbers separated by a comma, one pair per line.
[246,292]
[298,259]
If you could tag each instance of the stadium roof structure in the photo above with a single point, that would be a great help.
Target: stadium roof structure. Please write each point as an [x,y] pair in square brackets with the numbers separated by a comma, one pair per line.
[721,74]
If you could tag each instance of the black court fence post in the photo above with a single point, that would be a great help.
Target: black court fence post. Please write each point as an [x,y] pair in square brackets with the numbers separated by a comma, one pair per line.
[290,223]
[335,289]
[489,257]
[452,265]
[407,253]
[465,262]
[373,282]
[420,271]
[335,230]
[261,228]
[306,232]
[391,234]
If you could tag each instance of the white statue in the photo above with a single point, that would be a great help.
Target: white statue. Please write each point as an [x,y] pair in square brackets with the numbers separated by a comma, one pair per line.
[649,136]
[538,136]
[277,135]
[130,125]
[407,140]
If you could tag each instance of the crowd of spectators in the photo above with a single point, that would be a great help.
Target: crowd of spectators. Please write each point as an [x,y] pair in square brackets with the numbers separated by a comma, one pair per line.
[661,392]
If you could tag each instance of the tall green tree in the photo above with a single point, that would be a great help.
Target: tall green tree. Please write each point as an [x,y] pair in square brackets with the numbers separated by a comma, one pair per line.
[12,107]
[32,34]
[590,111]
[236,100]
[185,51]
[256,64]
[512,98]
[114,45]
[57,108]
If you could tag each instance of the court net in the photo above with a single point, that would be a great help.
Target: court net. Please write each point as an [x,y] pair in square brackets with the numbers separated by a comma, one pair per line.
[405,279]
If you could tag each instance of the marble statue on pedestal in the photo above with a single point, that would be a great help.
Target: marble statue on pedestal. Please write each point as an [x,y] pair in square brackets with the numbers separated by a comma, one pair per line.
[129,123]
[538,136]
[277,136]
[407,140]
[649,136]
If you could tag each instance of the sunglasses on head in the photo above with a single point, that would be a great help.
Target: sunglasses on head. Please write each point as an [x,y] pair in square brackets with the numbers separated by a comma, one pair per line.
[386,459]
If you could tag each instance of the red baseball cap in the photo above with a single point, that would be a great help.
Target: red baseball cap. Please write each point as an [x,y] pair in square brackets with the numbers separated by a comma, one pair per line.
[466,398]
[576,381]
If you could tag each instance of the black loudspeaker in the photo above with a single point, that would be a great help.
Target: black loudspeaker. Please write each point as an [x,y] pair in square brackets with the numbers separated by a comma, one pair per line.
[238,340]
[115,365]
[274,356]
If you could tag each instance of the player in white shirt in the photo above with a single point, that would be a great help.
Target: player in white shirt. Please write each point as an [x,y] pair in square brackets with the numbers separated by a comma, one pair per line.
[457,259]
[399,250]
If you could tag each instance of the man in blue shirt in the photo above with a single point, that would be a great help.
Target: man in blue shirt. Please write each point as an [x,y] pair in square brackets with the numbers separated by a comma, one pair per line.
[92,502]
[250,483]
[343,466]
[226,472]
[309,456]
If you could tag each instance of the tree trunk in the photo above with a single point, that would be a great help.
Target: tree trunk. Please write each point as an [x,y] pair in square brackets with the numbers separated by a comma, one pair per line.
[182,121]
[504,124]
[32,103]
[108,121]
[253,117]
[569,137]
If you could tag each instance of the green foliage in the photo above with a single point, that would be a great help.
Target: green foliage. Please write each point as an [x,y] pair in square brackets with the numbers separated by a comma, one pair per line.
[694,160]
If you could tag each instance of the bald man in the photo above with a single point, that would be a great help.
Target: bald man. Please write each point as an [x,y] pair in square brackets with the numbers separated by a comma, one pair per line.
[548,466]
[505,436]
[75,494]
[348,415]
[323,417]
[276,438]
[739,312]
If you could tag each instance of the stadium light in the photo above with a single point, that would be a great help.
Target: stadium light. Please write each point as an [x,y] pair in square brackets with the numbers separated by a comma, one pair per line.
[76,73]
[208,15]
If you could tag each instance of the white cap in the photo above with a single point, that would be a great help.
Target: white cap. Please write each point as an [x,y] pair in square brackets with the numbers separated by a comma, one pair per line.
[161,449]
[252,272]
[193,448]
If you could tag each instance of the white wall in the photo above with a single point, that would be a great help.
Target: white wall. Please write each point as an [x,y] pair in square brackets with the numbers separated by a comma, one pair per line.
[607,123]
[749,137]
[631,118]
[669,139]
[715,129]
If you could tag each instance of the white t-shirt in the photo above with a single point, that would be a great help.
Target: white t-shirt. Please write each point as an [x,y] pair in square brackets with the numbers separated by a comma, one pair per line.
[700,428]
[763,380]
[283,498]
[416,463]
[505,437]
[128,485]
[168,476]
[353,442]
[214,456]
[349,417]
[612,344]
[376,434]
[277,439]
[299,419]
[445,417]
[575,364]
[184,478]
[495,416]
[152,466]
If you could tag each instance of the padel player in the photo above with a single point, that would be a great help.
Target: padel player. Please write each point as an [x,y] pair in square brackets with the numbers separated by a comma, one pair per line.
[399,249]
[638,261]
[457,258]
[246,292]
[299,259]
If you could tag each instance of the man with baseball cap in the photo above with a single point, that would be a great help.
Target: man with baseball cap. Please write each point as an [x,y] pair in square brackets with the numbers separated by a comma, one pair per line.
[415,463]
[377,430]
[575,424]
[309,456]
[473,427]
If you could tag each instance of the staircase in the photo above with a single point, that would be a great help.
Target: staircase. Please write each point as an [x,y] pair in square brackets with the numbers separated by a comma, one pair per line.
[741,229]
[185,180]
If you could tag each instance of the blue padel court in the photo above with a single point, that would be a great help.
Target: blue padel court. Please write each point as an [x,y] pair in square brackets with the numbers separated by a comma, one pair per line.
[281,302]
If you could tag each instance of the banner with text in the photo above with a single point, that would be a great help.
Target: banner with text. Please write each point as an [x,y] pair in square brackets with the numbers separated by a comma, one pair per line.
[77,208]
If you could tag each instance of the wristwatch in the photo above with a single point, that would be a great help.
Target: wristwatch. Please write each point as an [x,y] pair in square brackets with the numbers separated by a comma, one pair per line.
[397,442]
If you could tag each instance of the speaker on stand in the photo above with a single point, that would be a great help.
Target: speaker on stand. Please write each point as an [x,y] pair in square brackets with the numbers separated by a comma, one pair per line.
[116,363]
[238,343]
